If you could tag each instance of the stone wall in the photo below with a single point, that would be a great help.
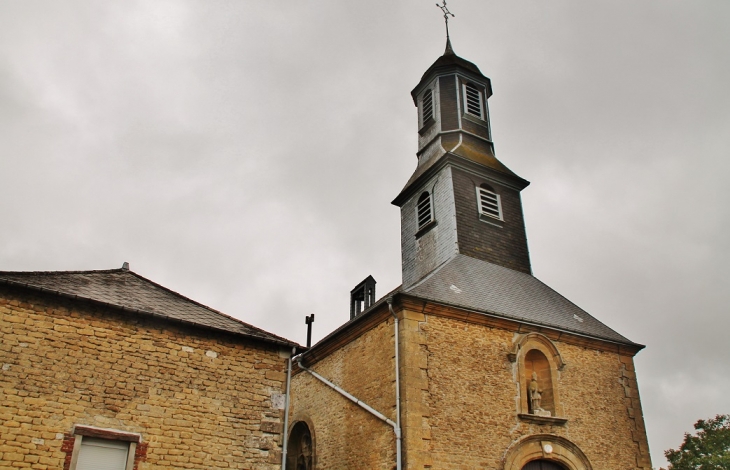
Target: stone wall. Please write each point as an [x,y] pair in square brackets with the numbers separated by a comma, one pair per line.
[461,397]
[198,399]
[345,435]
[471,403]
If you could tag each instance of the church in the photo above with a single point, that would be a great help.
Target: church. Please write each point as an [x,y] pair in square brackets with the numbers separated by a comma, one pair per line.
[471,363]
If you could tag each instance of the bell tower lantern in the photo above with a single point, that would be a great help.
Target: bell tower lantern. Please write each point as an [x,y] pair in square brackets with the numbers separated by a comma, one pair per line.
[452,97]
[461,199]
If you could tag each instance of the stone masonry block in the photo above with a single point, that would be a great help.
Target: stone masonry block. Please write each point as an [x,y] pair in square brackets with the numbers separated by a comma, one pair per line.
[271,427]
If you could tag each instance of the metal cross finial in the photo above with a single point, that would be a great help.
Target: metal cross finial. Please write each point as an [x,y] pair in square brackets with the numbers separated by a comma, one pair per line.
[446,11]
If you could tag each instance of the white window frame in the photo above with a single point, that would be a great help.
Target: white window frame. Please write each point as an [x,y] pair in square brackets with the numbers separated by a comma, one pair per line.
[480,98]
[429,199]
[129,439]
[489,211]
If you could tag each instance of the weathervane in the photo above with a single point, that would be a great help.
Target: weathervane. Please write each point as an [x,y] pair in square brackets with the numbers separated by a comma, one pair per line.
[446,11]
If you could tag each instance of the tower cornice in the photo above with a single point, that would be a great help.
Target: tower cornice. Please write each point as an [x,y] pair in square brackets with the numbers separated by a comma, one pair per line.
[451,159]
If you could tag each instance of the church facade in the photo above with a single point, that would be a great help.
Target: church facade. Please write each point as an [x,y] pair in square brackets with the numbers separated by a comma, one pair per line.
[472,362]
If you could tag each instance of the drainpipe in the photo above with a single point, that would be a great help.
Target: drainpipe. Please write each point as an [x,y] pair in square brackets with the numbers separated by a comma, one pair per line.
[398,435]
[286,410]
[376,413]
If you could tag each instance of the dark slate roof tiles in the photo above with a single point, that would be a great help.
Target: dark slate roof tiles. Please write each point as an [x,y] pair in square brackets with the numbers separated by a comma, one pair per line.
[127,290]
[481,286]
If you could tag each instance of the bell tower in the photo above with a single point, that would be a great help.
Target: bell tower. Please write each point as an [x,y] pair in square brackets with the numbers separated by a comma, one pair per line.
[461,199]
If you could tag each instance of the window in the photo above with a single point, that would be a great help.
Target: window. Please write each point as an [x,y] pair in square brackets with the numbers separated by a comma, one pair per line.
[424,211]
[489,202]
[426,107]
[473,101]
[102,454]
[91,448]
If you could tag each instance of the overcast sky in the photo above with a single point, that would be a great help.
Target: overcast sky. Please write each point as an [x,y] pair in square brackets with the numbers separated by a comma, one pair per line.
[245,155]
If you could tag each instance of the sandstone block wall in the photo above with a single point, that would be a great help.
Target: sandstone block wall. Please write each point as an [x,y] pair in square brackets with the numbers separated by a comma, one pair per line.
[461,397]
[346,436]
[199,400]
[471,403]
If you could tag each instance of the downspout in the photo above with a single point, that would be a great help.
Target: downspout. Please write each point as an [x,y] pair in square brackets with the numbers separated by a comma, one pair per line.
[373,411]
[286,410]
[398,432]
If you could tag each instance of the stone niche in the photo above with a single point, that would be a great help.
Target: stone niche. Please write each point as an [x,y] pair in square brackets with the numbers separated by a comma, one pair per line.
[538,362]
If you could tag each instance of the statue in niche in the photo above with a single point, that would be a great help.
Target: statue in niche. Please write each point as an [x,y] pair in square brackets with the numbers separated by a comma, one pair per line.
[535,396]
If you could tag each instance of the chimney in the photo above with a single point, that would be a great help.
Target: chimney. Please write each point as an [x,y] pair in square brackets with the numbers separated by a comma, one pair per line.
[362,297]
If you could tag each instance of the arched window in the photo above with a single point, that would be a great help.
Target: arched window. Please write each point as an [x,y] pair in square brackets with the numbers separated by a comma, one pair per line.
[424,210]
[300,448]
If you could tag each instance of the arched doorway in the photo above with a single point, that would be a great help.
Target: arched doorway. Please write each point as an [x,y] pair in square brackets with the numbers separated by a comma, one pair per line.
[542,465]
[300,448]
[545,452]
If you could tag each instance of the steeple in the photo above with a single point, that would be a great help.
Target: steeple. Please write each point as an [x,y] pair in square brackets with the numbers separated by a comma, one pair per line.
[460,199]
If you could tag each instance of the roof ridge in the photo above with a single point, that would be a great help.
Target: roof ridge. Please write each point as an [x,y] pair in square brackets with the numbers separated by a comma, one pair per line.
[204,306]
[26,278]
[90,271]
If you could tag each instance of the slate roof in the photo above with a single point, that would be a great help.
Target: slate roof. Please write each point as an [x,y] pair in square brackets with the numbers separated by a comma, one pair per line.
[481,286]
[450,60]
[126,290]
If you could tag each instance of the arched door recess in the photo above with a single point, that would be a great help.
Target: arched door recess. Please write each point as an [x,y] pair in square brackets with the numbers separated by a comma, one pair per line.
[542,465]
[300,448]
[539,451]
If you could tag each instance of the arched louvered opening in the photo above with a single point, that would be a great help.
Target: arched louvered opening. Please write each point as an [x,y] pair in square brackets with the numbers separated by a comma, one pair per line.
[473,101]
[426,107]
[424,210]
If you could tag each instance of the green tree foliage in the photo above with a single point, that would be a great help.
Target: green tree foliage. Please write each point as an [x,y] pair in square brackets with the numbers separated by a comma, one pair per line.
[709,449]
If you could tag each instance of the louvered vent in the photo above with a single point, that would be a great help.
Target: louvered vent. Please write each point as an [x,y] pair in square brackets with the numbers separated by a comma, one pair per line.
[489,203]
[423,210]
[473,100]
[427,107]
